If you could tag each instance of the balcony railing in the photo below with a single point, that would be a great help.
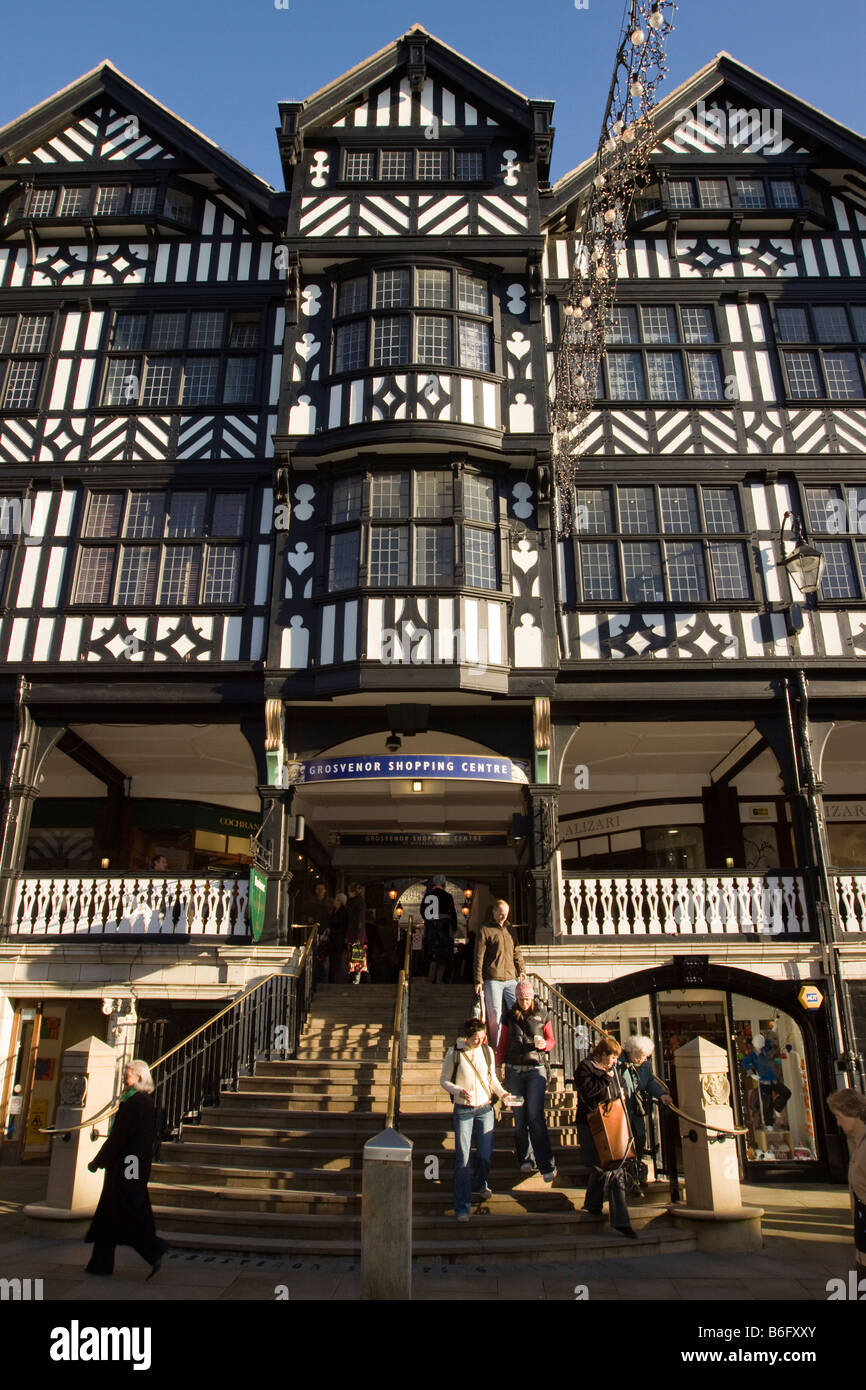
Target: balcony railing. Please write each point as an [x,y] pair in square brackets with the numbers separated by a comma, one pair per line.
[647,904]
[130,905]
[851,901]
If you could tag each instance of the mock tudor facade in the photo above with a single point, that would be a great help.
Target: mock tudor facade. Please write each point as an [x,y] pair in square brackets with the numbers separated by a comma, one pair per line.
[281,541]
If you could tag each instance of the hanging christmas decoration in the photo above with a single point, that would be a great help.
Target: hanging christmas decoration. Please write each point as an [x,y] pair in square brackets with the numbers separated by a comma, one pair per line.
[622,165]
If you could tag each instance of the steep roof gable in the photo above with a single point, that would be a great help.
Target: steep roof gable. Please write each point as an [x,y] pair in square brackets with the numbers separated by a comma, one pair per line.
[105,118]
[685,127]
[411,55]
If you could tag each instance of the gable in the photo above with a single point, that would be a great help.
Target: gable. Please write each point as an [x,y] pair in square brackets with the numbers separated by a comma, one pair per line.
[724,124]
[395,105]
[104,131]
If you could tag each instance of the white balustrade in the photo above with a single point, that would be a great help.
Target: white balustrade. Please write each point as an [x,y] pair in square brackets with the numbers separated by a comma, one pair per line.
[53,905]
[851,900]
[697,905]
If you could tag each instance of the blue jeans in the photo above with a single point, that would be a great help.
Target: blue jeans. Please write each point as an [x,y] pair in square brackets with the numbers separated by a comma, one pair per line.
[471,1122]
[529,1121]
[595,1188]
[499,995]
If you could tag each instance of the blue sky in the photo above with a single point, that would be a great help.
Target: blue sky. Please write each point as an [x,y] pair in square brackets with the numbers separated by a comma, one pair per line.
[223,66]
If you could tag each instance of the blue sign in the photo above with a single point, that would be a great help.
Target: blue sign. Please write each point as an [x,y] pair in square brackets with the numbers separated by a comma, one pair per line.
[463,767]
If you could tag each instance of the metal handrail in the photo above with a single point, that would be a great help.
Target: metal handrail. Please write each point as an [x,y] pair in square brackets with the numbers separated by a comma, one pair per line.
[243,1039]
[399,1037]
[568,1051]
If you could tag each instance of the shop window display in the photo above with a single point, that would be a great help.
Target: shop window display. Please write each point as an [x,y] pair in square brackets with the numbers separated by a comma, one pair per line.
[767,1062]
[774,1091]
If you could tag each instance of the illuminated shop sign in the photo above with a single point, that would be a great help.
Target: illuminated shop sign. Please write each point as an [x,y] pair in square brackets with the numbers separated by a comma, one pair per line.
[460,767]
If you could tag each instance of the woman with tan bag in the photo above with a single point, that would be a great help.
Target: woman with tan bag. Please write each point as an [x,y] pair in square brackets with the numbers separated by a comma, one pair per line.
[596,1084]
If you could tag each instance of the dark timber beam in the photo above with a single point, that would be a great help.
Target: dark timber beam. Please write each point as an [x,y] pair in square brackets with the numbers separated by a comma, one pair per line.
[81,752]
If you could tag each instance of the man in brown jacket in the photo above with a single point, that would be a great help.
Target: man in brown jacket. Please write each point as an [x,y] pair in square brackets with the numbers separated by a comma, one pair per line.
[497,962]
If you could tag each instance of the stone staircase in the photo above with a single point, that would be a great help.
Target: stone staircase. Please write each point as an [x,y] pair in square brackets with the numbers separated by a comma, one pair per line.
[277,1166]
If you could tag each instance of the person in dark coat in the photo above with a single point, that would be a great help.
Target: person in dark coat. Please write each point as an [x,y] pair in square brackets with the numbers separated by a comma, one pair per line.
[595,1082]
[440,919]
[339,928]
[123,1215]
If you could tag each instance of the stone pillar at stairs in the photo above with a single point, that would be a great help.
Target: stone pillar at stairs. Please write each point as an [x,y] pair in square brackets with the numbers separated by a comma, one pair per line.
[386,1218]
[713,1210]
[87,1085]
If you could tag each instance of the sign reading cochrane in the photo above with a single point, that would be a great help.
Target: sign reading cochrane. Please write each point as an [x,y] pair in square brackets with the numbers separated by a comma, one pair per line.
[448,766]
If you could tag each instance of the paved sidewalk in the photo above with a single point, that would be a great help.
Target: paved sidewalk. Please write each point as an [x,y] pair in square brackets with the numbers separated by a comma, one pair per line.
[807,1240]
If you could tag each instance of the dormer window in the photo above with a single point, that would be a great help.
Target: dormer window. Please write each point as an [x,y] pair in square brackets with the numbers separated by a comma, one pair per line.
[436,165]
[110,200]
[396,164]
[73,202]
[360,166]
[42,202]
[748,193]
[105,200]
[468,165]
[143,200]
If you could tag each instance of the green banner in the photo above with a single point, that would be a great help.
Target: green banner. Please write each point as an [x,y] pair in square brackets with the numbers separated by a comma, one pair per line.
[258,901]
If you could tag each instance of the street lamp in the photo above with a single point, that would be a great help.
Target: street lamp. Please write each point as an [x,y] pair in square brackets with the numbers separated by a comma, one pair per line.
[805,563]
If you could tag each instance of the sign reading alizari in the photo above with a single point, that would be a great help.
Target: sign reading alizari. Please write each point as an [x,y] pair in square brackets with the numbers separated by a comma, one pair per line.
[461,767]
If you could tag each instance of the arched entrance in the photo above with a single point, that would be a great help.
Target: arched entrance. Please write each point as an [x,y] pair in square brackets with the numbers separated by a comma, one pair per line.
[776,1051]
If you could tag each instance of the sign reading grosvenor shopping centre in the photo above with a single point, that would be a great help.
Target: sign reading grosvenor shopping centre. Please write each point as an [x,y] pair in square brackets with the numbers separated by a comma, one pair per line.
[460,767]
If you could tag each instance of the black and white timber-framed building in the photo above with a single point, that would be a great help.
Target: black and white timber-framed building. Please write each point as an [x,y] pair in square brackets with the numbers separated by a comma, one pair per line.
[279,540]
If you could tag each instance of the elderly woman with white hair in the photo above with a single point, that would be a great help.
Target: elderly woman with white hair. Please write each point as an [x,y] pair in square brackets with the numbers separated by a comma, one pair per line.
[124,1215]
[641,1087]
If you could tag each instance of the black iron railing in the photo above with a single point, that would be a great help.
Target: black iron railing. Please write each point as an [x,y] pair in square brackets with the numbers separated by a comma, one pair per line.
[571,1029]
[262,1024]
[399,1038]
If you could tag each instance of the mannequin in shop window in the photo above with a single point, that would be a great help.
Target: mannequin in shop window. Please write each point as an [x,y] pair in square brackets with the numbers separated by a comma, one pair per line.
[760,1062]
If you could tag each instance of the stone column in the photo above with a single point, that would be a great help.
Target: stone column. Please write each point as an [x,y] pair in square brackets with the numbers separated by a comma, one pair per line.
[713,1210]
[21,780]
[87,1084]
[386,1218]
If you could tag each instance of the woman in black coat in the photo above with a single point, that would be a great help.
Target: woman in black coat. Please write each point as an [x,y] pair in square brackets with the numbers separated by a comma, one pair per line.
[124,1215]
[595,1083]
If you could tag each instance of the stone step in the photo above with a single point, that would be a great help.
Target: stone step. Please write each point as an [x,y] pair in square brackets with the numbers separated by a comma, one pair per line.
[417,1116]
[413,1088]
[303,1153]
[325,1130]
[262,1192]
[262,1167]
[289,1189]
[484,1239]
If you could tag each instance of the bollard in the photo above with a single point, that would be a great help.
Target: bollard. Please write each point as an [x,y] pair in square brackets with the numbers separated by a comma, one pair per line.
[87,1083]
[386,1218]
[713,1210]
